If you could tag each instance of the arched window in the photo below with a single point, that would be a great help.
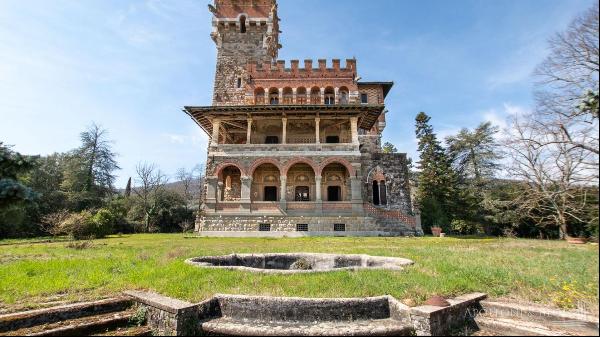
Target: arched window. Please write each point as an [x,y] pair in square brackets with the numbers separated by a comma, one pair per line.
[329,96]
[315,95]
[273,96]
[375,192]
[242,24]
[301,95]
[259,96]
[344,96]
[288,96]
[382,193]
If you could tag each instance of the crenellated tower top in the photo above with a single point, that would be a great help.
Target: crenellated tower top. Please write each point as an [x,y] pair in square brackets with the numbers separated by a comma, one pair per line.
[244,31]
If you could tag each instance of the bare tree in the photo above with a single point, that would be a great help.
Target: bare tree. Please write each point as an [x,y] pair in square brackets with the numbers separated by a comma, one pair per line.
[150,181]
[555,175]
[567,88]
[190,184]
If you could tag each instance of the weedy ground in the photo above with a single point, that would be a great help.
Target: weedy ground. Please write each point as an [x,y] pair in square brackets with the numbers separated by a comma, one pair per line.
[36,272]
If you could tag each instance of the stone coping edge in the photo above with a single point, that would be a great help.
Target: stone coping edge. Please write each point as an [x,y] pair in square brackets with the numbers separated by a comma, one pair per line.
[168,304]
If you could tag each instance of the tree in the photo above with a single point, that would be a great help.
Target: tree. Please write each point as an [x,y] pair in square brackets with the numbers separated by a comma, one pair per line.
[98,160]
[88,173]
[190,183]
[555,176]
[13,164]
[150,182]
[567,88]
[389,148]
[128,188]
[436,178]
[475,153]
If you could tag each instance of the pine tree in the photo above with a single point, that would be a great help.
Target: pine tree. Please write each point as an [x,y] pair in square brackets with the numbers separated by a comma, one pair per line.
[436,192]
[389,148]
[128,188]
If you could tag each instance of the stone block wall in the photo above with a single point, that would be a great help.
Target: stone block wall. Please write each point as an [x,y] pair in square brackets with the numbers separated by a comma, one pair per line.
[394,167]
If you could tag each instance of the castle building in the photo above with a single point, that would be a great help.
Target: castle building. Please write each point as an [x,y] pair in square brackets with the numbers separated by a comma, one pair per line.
[294,150]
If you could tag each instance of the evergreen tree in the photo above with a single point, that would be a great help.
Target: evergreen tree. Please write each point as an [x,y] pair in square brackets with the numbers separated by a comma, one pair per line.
[389,148]
[12,165]
[436,178]
[128,188]
[475,154]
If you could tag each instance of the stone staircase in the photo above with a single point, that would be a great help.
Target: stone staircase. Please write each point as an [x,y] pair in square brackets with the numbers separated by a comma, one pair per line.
[501,319]
[109,317]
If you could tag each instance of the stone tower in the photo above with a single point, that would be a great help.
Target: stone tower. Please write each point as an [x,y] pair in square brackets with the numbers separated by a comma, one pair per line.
[244,31]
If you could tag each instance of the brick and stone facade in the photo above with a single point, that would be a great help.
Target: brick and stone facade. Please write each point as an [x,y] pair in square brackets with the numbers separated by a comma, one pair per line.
[294,150]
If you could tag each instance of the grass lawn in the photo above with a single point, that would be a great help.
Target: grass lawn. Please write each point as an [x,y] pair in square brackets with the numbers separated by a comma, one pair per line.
[547,272]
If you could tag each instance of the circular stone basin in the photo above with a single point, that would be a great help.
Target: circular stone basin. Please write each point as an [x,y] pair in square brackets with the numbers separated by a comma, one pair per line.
[298,262]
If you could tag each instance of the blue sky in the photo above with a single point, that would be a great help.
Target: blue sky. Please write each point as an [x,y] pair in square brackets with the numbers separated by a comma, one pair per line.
[131,66]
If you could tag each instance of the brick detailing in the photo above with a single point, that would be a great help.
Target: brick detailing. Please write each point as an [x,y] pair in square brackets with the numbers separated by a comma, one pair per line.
[379,213]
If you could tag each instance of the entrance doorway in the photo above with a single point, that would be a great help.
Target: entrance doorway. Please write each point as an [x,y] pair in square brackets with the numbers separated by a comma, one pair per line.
[334,193]
[270,193]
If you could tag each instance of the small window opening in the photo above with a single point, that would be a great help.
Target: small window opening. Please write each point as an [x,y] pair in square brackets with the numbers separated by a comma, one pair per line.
[364,98]
[243,24]
[301,227]
[264,227]
[339,227]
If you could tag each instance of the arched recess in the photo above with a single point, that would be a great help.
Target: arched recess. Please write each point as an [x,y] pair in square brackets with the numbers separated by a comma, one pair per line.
[336,185]
[261,161]
[259,96]
[378,186]
[225,164]
[301,182]
[266,182]
[309,162]
[346,163]
[301,95]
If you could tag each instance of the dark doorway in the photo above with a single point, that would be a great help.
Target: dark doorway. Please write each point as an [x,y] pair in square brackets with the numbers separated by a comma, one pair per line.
[302,193]
[334,193]
[270,193]
[272,140]
[375,192]
[332,139]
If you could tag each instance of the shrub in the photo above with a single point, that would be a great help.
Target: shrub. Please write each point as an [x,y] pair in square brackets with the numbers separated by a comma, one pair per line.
[83,225]
[463,227]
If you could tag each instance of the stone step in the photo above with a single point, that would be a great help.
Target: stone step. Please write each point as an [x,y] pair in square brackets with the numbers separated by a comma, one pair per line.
[83,326]
[571,322]
[127,331]
[20,320]
[509,327]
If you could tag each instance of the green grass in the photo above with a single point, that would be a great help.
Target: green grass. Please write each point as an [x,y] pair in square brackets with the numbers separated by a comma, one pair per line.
[538,271]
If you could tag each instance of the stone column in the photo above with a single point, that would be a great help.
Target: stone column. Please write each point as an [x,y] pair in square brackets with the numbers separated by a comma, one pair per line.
[216,125]
[354,129]
[357,202]
[318,200]
[249,132]
[317,130]
[283,192]
[336,98]
[211,192]
[219,191]
[284,132]
[294,95]
[245,202]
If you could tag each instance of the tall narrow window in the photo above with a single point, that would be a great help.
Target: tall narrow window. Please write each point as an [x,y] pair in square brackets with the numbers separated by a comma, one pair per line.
[239,82]
[242,24]
[383,192]
[375,193]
